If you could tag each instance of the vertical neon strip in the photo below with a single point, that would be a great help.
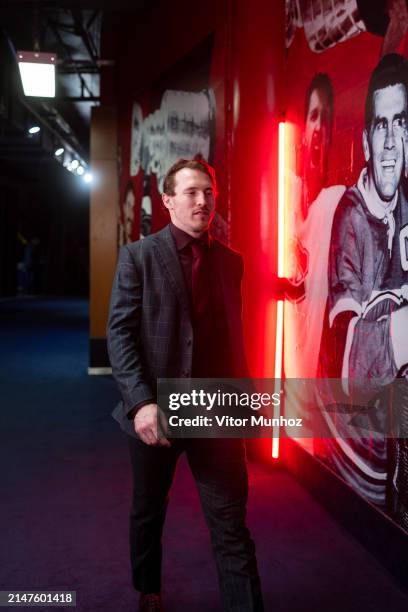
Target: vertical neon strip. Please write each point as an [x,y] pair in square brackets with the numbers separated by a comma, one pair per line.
[281,273]
[278,375]
[281,202]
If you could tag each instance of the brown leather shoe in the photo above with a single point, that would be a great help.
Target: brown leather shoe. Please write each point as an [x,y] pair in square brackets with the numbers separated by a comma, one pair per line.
[150,603]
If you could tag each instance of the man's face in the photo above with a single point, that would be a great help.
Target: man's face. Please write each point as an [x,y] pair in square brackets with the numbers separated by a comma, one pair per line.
[317,134]
[192,206]
[383,145]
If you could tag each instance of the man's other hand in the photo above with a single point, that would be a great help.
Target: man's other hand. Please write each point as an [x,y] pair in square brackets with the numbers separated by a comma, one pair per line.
[150,425]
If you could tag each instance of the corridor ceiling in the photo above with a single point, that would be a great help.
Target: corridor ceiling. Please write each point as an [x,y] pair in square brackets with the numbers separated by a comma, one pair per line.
[72,30]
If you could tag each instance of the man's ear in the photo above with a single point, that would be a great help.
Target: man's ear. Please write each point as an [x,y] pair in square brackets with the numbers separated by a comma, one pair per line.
[366,146]
[166,201]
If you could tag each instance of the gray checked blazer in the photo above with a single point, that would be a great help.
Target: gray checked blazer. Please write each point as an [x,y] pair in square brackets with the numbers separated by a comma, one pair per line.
[150,333]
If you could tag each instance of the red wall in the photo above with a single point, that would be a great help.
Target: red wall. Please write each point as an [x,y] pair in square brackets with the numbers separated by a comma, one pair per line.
[257,83]
[247,78]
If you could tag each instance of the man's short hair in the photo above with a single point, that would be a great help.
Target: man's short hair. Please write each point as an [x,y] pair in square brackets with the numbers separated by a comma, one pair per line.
[321,82]
[390,70]
[198,163]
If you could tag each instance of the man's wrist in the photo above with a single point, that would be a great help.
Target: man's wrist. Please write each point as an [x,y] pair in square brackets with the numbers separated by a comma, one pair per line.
[132,413]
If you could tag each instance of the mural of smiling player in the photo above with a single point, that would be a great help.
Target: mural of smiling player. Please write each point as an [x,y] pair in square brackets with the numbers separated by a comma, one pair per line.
[365,341]
[358,289]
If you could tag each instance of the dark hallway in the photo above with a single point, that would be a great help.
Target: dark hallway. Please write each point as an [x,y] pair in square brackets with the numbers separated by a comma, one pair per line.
[65,494]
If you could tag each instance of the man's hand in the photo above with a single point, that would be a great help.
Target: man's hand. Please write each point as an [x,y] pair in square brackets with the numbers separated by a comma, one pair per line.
[150,425]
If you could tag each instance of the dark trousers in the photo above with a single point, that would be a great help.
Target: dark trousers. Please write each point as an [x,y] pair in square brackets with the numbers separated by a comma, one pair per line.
[219,469]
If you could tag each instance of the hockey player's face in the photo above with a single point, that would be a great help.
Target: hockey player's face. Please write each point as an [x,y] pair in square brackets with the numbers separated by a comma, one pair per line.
[317,132]
[192,206]
[385,140]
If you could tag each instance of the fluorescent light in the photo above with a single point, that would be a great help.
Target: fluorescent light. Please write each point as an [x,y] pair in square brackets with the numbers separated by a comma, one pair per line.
[37,71]
[281,201]
[278,375]
[88,178]
[59,152]
[80,170]
[34,129]
[74,164]
[281,272]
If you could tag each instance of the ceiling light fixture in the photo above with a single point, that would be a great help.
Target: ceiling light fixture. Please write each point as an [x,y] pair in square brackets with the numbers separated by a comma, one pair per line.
[37,71]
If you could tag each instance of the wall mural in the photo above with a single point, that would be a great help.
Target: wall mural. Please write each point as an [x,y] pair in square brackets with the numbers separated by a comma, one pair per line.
[348,228]
[329,22]
[181,127]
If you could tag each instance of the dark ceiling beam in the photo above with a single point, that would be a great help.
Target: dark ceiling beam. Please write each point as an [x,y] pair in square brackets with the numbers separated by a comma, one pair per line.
[92,18]
[84,66]
[84,34]
[78,98]
[73,69]
[68,56]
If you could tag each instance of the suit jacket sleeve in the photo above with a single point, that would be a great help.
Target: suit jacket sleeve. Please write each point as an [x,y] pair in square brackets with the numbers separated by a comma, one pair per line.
[124,332]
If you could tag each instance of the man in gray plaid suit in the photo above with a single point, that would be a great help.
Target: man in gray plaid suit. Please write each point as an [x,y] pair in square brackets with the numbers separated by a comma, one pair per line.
[176,313]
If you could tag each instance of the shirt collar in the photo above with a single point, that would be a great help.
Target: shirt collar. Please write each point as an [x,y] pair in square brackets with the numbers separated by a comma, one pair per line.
[182,239]
[385,213]
[376,209]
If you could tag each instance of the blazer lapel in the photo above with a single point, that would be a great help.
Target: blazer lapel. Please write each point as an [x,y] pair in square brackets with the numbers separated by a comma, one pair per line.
[166,253]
